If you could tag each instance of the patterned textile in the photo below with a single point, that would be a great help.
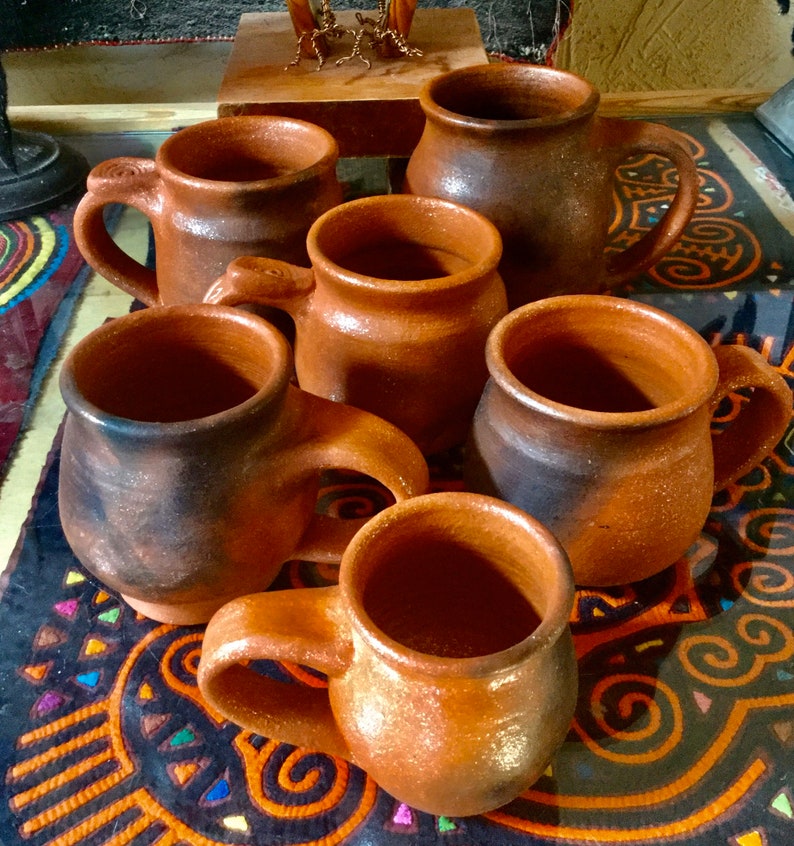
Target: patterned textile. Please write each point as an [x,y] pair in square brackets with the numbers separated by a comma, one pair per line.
[684,729]
[42,275]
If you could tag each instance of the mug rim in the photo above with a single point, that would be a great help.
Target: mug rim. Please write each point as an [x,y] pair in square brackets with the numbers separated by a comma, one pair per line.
[326,158]
[537,73]
[272,387]
[552,623]
[502,374]
[486,262]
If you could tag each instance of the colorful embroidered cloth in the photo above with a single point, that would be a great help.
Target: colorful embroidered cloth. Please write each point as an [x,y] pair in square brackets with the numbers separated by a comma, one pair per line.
[684,730]
[42,275]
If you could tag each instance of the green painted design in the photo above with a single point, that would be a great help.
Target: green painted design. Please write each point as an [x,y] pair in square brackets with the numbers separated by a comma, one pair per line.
[110,616]
[183,736]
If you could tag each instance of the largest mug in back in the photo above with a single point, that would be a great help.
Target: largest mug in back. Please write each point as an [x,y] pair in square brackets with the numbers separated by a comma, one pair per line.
[523,145]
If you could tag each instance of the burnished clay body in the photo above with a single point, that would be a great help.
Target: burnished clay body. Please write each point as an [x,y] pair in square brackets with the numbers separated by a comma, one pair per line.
[596,420]
[190,465]
[394,315]
[523,145]
[452,677]
[246,185]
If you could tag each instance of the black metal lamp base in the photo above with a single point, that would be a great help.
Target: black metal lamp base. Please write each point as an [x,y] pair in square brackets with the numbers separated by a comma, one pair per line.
[47,175]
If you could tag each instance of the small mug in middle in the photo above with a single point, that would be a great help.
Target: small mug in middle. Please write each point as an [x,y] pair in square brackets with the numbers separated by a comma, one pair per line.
[394,314]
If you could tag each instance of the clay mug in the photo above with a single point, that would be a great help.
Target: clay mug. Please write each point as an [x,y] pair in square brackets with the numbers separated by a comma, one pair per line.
[394,314]
[524,145]
[597,421]
[451,673]
[250,184]
[190,464]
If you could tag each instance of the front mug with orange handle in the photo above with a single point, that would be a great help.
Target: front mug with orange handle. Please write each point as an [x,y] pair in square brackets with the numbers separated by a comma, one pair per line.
[452,678]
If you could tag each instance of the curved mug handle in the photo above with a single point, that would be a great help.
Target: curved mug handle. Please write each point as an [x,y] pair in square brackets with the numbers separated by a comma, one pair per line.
[131,181]
[254,280]
[342,436]
[761,423]
[306,626]
[631,137]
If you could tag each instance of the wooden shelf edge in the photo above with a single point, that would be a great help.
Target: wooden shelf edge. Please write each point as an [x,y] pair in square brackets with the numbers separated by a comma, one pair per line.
[166,117]
[696,101]
[110,117]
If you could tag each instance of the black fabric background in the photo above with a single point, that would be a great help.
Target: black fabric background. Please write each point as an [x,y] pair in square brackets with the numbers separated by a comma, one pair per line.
[521,29]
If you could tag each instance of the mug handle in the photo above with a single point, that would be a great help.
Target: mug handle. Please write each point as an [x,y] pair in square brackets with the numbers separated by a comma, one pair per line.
[304,626]
[635,136]
[131,181]
[342,436]
[760,424]
[254,280]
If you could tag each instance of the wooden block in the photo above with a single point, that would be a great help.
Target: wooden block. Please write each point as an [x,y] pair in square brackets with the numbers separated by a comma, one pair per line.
[370,111]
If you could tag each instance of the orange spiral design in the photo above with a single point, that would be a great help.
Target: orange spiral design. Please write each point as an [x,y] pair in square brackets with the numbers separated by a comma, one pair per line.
[256,760]
[769,530]
[184,652]
[771,641]
[713,252]
[765,583]
[715,194]
[646,694]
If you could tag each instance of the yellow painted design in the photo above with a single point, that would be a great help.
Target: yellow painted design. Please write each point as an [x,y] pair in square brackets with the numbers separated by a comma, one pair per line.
[74,578]
[238,823]
[95,647]
[47,235]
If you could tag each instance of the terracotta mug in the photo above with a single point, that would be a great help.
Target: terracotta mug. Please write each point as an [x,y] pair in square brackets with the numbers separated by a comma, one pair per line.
[251,184]
[596,420]
[451,673]
[190,465]
[523,145]
[394,314]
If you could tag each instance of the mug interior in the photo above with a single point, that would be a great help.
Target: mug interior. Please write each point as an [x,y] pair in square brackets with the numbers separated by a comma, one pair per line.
[454,581]
[246,149]
[603,357]
[169,365]
[402,237]
[512,93]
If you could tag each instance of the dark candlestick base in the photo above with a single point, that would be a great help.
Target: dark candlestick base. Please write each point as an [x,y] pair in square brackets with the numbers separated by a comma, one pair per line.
[47,175]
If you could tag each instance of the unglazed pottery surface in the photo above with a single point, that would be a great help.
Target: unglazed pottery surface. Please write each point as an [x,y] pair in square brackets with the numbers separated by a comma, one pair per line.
[451,673]
[247,185]
[394,315]
[190,465]
[596,420]
[523,145]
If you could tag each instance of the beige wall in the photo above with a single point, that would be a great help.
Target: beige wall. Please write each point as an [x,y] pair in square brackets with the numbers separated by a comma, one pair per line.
[663,45]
